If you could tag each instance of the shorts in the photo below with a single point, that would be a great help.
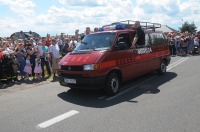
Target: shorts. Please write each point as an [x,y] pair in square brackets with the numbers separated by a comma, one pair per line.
[55,62]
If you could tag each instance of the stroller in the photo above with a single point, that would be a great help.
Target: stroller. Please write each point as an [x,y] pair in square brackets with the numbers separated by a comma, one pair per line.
[196,46]
[195,50]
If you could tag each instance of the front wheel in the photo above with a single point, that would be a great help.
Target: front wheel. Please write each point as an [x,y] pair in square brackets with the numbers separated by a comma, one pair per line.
[163,68]
[112,84]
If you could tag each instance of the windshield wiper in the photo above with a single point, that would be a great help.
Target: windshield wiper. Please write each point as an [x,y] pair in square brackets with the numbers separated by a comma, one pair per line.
[84,42]
[80,52]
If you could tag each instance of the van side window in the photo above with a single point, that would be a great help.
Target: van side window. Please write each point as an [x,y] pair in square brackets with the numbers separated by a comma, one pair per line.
[157,38]
[124,38]
[147,40]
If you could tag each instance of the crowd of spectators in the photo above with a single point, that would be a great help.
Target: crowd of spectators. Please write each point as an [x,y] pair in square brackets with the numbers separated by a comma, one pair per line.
[183,43]
[32,58]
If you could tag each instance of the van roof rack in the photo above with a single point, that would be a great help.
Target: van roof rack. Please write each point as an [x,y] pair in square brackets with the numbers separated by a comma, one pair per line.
[144,25]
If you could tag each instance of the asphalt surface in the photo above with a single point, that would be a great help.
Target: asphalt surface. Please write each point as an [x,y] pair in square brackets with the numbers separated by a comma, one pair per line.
[152,103]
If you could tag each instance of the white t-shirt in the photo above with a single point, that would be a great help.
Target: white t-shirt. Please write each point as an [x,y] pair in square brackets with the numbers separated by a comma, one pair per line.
[7,50]
[54,49]
[73,42]
[28,62]
[40,50]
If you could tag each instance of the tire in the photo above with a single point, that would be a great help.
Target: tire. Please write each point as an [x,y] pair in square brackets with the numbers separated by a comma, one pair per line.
[112,84]
[163,68]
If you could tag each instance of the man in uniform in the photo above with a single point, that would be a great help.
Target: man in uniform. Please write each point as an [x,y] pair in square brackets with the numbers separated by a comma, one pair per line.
[139,38]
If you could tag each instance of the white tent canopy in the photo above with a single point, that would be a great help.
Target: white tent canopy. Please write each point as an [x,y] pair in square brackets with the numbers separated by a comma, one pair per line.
[166,29]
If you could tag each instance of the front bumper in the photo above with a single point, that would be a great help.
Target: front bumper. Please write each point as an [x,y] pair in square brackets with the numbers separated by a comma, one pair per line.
[85,83]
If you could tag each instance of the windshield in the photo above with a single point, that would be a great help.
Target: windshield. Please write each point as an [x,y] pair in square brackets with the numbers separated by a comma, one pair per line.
[101,41]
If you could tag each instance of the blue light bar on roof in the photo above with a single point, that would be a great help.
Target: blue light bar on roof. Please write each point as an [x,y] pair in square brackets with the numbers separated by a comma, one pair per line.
[120,26]
[112,27]
[101,29]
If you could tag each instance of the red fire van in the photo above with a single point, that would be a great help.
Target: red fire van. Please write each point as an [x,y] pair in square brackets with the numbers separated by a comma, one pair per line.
[104,59]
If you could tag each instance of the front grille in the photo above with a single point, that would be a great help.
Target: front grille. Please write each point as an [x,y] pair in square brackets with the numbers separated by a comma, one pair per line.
[72,68]
[71,75]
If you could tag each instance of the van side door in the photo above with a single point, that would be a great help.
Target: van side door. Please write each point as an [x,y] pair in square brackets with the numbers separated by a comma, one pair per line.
[144,57]
[124,56]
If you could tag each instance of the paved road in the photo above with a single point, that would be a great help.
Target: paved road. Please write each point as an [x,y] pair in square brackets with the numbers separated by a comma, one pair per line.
[169,103]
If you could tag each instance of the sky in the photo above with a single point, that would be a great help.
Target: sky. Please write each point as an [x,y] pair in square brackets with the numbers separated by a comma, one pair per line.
[66,16]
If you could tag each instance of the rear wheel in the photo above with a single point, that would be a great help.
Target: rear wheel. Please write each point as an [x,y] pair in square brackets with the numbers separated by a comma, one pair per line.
[163,68]
[112,84]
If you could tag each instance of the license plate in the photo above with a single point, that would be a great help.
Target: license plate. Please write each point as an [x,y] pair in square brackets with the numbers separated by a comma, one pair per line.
[66,80]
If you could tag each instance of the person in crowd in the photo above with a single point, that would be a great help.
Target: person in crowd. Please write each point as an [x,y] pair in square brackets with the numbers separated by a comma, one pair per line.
[61,41]
[190,43]
[12,40]
[139,38]
[66,48]
[32,41]
[73,43]
[20,40]
[26,42]
[37,40]
[171,43]
[38,68]
[2,84]
[196,43]
[12,75]
[32,52]
[7,64]
[27,68]
[87,31]
[5,47]
[48,40]
[183,44]
[177,43]
[79,39]
[15,67]
[39,48]
[45,58]
[10,43]
[96,29]
[55,56]
[20,55]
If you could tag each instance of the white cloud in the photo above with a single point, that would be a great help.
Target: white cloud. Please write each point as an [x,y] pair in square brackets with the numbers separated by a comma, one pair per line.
[83,2]
[72,15]
[22,7]
[84,16]
[9,26]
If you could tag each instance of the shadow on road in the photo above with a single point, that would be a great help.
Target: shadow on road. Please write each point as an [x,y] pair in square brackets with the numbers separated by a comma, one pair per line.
[91,98]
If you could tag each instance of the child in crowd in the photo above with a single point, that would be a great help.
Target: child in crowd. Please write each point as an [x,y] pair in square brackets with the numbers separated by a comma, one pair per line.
[38,68]
[28,68]
[39,50]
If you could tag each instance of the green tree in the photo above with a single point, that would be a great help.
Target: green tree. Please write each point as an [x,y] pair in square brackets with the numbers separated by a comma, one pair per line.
[191,28]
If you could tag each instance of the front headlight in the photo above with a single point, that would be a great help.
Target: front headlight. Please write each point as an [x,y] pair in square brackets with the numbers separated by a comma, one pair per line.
[90,67]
